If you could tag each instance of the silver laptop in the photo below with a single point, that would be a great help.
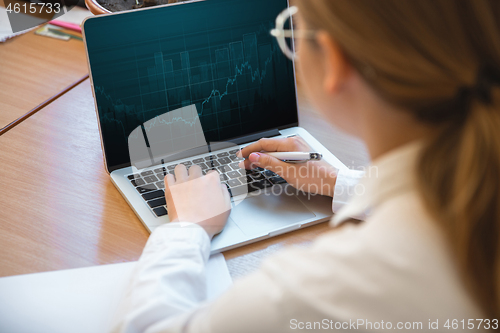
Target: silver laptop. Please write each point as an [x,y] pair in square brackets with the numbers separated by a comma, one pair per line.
[192,83]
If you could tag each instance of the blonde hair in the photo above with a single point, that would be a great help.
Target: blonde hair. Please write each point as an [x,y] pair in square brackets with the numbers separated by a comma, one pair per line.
[433,58]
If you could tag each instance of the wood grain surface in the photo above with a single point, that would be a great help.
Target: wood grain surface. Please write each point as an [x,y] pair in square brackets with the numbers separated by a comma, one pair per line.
[33,69]
[59,209]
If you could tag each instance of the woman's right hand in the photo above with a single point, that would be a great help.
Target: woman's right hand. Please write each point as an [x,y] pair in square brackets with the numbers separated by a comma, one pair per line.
[317,177]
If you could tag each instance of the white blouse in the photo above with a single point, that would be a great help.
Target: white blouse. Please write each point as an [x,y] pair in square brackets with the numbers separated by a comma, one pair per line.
[393,271]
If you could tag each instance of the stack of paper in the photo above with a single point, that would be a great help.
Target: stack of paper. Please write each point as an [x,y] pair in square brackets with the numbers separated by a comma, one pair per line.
[5,29]
[82,300]
[75,15]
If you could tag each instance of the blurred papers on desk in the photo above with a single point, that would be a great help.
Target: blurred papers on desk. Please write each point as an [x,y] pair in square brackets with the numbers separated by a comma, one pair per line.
[82,300]
[5,29]
[76,15]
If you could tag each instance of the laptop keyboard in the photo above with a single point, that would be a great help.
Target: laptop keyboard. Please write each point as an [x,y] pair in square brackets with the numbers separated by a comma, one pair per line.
[150,184]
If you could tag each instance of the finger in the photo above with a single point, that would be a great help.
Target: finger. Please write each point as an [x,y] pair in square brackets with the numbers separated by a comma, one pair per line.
[195,172]
[214,176]
[298,142]
[251,163]
[181,174]
[263,145]
[227,196]
[268,162]
[169,180]
[246,164]
[213,171]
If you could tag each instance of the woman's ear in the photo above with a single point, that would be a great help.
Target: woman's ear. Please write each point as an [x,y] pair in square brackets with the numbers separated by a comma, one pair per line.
[335,64]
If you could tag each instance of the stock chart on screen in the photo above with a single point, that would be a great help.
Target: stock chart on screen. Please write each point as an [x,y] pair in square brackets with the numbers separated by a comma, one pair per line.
[217,55]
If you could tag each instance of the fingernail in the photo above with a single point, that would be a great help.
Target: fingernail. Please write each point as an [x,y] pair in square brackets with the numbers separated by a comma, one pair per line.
[254,157]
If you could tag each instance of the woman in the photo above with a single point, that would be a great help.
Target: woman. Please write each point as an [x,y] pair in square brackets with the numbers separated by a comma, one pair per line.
[419,82]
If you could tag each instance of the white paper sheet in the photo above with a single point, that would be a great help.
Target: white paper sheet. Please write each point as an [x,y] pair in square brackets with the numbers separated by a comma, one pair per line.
[81,300]
[5,29]
[75,15]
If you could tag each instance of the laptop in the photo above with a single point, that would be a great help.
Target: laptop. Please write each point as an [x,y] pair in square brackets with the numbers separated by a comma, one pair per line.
[193,83]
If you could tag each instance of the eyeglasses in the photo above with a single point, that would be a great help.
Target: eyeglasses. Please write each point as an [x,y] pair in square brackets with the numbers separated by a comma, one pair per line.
[286,37]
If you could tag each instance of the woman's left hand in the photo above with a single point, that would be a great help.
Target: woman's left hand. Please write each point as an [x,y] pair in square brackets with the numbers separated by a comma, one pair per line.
[192,197]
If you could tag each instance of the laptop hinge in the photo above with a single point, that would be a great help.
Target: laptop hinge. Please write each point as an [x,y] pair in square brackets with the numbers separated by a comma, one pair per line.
[214,146]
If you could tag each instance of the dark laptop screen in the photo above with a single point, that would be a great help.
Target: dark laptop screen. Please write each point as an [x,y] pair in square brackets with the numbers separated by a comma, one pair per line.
[215,54]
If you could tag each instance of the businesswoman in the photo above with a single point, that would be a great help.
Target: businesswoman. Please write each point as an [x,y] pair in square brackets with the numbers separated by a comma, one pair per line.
[419,82]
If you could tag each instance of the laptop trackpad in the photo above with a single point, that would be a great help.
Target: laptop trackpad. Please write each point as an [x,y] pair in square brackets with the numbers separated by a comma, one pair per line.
[264,213]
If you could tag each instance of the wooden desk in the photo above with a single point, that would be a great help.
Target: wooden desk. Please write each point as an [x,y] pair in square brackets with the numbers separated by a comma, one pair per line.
[33,69]
[59,209]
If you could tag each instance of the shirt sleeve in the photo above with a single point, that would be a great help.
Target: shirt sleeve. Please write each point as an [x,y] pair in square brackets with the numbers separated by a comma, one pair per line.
[296,283]
[345,189]
[164,298]
[167,292]
[169,280]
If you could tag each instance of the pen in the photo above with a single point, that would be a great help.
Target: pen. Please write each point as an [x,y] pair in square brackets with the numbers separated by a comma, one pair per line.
[296,157]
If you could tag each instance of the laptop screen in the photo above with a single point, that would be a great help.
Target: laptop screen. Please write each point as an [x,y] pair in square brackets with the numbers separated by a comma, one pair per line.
[216,54]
